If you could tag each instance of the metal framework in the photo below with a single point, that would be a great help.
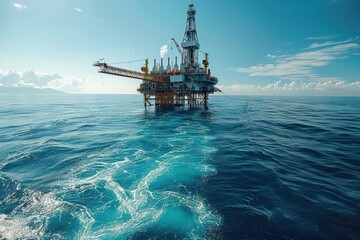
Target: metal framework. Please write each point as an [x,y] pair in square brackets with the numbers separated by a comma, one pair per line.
[190,43]
[105,68]
[167,98]
[173,87]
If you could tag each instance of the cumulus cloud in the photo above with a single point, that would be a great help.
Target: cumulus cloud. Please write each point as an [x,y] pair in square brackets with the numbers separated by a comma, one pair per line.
[19,6]
[33,79]
[15,78]
[78,10]
[281,87]
[72,84]
[302,64]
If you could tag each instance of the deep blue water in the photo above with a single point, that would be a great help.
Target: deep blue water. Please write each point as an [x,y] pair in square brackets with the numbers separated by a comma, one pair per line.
[102,167]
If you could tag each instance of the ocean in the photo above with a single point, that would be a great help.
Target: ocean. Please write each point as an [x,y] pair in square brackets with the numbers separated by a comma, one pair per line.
[102,167]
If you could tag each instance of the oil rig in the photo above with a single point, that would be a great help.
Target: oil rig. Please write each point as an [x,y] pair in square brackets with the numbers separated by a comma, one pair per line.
[174,86]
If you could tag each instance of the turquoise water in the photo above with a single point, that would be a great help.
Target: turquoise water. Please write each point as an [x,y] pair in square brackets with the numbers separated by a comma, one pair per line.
[103,167]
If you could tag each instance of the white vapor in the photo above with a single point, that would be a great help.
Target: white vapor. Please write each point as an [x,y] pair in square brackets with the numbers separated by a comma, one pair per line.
[19,6]
[78,10]
[163,50]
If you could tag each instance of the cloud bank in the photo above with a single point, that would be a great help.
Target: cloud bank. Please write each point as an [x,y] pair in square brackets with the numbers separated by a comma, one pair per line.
[301,66]
[73,84]
[296,73]
[70,84]
[33,79]
[294,88]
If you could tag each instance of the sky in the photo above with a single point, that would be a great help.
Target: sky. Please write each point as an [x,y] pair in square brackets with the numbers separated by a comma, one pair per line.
[256,47]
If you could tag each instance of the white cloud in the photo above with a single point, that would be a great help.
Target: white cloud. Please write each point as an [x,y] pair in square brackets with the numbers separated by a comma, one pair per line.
[111,85]
[322,37]
[296,88]
[73,84]
[67,84]
[78,10]
[330,43]
[301,65]
[14,78]
[39,80]
[19,6]
[271,56]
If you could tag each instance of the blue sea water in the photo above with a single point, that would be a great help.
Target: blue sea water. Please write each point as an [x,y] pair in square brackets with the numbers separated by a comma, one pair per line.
[103,167]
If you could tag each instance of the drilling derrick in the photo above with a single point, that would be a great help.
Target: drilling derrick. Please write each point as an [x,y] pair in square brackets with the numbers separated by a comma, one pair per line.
[190,43]
[173,86]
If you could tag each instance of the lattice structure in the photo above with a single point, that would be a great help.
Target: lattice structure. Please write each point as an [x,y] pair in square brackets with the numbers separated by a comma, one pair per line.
[190,43]
[105,68]
[164,98]
[173,87]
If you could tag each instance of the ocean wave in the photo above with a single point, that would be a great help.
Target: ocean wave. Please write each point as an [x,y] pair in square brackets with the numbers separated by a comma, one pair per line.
[250,167]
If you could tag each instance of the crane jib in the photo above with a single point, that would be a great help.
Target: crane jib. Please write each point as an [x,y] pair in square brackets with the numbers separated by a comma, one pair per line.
[105,68]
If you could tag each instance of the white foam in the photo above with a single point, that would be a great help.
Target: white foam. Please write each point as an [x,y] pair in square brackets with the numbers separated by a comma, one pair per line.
[34,209]
[139,207]
[15,228]
[136,204]
[29,219]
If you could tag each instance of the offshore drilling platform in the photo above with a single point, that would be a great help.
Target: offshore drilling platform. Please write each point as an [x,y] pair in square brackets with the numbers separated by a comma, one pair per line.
[174,86]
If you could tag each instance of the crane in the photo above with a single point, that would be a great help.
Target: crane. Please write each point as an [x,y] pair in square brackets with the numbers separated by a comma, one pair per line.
[144,75]
[178,46]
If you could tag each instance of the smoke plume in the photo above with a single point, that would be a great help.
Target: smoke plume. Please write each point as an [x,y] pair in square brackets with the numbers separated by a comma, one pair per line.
[163,50]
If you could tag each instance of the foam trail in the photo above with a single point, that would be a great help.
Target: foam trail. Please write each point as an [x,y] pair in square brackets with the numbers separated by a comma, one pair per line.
[116,184]
[137,205]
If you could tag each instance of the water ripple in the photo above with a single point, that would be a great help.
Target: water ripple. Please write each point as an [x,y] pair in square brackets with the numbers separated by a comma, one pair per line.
[248,168]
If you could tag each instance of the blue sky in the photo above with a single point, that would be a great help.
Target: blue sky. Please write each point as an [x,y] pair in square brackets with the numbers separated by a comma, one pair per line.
[278,47]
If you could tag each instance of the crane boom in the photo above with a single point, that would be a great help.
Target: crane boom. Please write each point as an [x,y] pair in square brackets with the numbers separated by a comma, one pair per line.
[178,46]
[105,68]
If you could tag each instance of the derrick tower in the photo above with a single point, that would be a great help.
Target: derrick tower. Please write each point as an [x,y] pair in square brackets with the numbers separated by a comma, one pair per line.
[190,43]
[170,86]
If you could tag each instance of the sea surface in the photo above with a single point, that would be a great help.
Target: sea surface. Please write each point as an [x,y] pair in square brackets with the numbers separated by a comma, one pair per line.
[103,167]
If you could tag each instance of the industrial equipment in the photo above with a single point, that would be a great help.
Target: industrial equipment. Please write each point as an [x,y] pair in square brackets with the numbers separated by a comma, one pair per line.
[190,84]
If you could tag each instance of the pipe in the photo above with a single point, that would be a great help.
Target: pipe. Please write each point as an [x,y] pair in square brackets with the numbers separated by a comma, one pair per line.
[161,69]
[168,68]
[176,66]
